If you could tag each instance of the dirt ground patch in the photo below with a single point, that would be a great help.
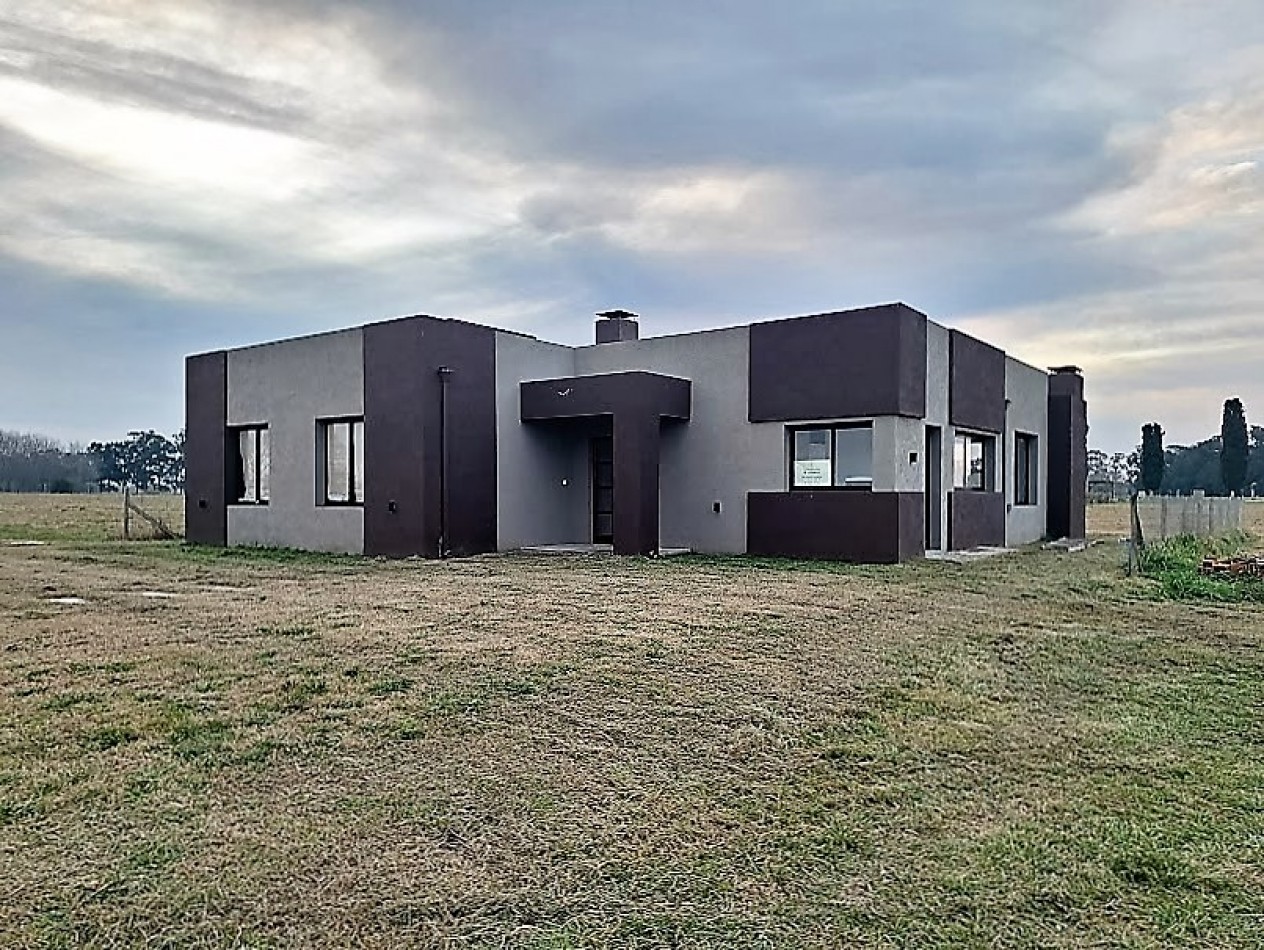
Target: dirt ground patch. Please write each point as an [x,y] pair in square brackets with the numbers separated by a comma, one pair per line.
[288,750]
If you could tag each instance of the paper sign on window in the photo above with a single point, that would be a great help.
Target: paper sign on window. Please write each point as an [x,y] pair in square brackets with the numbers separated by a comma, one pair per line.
[812,473]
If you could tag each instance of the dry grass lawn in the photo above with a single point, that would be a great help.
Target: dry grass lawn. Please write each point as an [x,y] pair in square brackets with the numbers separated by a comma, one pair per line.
[561,752]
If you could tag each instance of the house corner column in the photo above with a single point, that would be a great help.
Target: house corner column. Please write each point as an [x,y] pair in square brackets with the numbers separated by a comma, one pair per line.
[1068,454]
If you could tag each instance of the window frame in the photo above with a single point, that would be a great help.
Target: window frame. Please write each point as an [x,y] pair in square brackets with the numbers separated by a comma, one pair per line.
[354,448]
[989,442]
[256,429]
[833,428]
[1027,491]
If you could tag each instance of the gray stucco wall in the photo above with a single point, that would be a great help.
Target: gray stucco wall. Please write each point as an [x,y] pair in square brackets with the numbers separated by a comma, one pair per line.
[288,386]
[718,455]
[542,493]
[1027,393]
[895,440]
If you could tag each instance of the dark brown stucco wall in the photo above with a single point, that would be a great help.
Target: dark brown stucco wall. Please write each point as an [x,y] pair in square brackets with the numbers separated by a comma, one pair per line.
[974,518]
[912,525]
[601,394]
[976,383]
[866,362]
[1068,456]
[864,527]
[402,423]
[206,448]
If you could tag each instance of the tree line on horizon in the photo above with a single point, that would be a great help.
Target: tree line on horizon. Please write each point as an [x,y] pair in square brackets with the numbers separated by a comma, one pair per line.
[145,461]
[1231,463]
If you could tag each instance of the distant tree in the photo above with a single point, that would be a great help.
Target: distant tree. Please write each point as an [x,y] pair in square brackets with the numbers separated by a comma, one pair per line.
[1132,467]
[1153,462]
[35,463]
[145,461]
[1234,447]
[1193,467]
[1255,464]
[107,463]
[1098,466]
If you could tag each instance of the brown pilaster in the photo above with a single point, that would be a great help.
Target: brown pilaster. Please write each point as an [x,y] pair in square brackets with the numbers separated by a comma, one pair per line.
[206,448]
[1068,453]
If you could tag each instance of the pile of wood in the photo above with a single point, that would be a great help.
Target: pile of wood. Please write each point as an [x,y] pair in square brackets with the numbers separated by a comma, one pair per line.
[1242,565]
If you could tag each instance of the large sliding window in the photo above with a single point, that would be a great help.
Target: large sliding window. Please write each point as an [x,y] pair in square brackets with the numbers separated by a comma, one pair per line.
[341,444]
[1026,469]
[252,465]
[838,456]
[974,462]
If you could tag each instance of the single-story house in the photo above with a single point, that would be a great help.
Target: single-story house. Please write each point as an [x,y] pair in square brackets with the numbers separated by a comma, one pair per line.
[868,435]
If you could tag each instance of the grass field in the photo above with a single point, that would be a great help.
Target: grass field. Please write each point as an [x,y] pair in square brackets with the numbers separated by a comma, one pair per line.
[563,752]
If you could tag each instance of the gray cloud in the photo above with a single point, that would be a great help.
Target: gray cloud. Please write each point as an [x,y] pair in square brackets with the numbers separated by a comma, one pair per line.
[1079,181]
[148,79]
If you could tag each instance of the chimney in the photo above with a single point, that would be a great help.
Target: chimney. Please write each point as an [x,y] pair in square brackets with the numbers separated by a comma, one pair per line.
[615,326]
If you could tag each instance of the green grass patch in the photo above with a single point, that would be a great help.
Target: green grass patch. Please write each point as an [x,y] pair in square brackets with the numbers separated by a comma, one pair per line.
[391,684]
[108,737]
[1174,566]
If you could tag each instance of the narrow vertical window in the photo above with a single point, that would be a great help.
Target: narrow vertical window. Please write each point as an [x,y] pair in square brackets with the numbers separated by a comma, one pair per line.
[1026,469]
[357,462]
[342,448]
[252,465]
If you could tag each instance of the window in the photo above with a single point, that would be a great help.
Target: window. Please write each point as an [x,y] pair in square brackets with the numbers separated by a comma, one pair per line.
[252,465]
[832,457]
[1026,468]
[974,462]
[342,461]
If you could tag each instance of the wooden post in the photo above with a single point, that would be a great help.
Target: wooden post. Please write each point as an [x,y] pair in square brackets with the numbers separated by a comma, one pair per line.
[1136,541]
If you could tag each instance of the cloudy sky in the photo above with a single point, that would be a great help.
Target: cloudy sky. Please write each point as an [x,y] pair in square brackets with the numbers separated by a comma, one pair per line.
[1080,181]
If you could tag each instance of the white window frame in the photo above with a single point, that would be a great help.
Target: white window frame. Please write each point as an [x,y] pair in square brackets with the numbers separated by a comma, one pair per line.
[261,439]
[355,454]
[798,468]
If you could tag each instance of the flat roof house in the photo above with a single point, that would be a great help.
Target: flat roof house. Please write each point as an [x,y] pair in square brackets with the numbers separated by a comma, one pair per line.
[864,435]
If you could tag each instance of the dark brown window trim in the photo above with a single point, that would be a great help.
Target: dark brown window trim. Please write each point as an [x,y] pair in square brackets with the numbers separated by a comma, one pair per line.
[236,431]
[322,434]
[832,427]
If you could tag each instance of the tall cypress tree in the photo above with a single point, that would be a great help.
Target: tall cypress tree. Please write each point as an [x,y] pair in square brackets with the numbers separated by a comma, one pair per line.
[1153,461]
[1234,447]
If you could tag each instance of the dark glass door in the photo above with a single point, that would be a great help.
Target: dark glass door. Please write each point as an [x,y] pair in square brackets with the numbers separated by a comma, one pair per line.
[603,490]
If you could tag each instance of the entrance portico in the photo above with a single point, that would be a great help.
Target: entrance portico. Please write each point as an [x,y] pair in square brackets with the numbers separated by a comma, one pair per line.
[636,403]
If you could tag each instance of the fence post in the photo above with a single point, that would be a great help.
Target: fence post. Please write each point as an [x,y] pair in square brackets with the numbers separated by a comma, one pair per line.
[1136,541]
[127,514]
[1163,518]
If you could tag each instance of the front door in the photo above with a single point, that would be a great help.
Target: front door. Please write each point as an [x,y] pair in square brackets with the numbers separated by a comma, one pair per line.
[603,490]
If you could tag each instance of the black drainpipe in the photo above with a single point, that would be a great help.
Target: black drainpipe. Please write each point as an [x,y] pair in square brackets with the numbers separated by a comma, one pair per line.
[444,375]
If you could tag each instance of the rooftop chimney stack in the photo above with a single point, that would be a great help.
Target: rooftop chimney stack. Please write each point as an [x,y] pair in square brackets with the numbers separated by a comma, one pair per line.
[616,326]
